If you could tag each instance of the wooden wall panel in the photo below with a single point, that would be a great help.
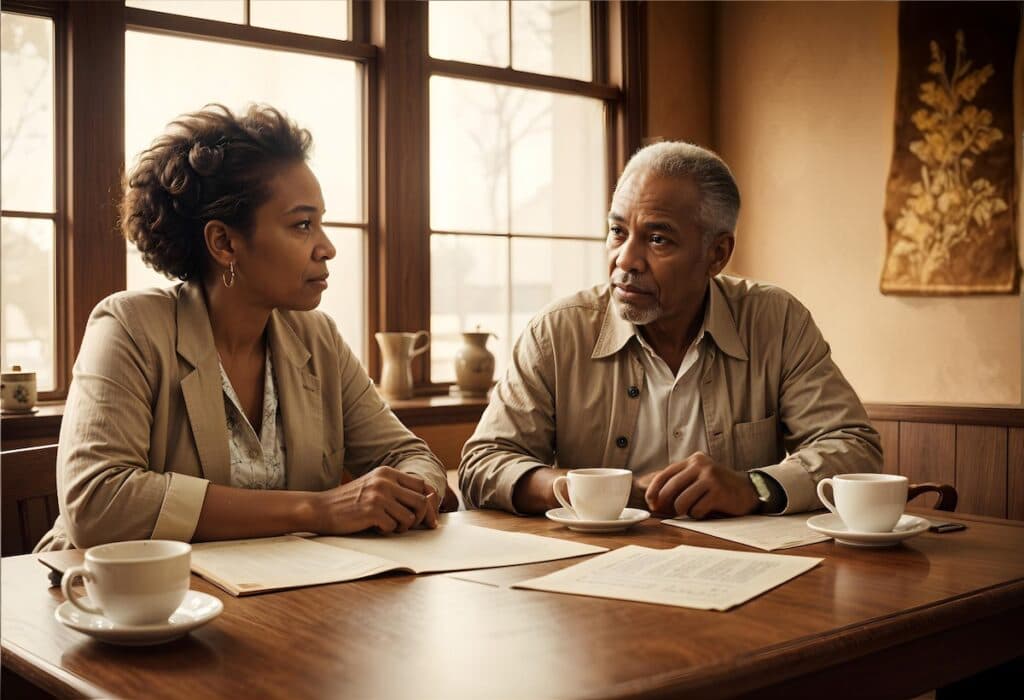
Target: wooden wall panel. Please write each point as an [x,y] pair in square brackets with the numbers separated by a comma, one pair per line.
[981,470]
[928,452]
[1015,474]
[446,440]
[889,430]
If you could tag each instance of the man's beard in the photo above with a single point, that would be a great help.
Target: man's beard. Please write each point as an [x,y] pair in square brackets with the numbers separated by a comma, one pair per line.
[636,315]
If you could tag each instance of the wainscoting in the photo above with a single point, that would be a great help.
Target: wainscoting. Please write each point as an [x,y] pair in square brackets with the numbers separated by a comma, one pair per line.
[978,449]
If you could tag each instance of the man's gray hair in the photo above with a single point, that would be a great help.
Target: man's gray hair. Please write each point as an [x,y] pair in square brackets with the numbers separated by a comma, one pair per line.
[720,198]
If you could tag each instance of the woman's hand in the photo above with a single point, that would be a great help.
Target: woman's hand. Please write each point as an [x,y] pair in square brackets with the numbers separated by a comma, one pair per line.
[385,499]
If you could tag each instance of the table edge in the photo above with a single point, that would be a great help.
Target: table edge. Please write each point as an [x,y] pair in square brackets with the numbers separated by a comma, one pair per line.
[42,674]
[771,666]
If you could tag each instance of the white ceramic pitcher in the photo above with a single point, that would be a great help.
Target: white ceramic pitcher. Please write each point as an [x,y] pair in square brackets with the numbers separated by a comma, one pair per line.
[397,352]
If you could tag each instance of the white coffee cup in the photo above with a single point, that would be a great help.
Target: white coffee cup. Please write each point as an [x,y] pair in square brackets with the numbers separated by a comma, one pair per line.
[140,582]
[866,502]
[599,493]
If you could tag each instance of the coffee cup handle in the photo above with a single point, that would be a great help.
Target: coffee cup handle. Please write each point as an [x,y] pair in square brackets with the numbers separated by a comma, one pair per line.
[557,487]
[821,494]
[73,597]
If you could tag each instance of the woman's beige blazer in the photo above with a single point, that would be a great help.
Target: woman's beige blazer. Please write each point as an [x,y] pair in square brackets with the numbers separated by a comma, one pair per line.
[144,430]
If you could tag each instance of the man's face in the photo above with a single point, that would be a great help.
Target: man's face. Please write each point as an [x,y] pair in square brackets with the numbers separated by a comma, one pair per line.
[657,261]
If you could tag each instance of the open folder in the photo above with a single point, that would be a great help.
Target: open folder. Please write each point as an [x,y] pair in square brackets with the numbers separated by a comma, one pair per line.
[244,567]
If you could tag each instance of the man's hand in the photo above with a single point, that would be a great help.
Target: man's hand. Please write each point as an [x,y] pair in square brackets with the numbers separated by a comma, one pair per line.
[533,492]
[385,499]
[698,487]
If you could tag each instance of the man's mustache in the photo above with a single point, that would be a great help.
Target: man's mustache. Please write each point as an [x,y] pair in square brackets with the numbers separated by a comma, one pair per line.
[631,279]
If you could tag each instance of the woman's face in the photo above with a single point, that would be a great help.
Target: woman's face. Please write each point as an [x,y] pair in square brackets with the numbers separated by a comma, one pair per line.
[283,262]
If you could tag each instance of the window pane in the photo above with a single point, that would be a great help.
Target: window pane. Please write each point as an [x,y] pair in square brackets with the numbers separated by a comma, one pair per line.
[141,275]
[154,96]
[490,144]
[28,297]
[223,10]
[27,113]
[345,298]
[468,288]
[557,157]
[544,270]
[469,162]
[327,18]
[475,32]
[552,37]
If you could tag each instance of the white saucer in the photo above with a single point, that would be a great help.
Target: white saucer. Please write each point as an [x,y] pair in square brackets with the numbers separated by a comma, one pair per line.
[628,518]
[832,525]
[197,609]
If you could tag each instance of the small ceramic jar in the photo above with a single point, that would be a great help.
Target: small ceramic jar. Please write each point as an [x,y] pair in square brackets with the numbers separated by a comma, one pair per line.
[17,390]
[474,365]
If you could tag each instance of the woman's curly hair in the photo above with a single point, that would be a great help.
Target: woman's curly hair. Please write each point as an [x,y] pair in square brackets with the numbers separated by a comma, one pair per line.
[210,165]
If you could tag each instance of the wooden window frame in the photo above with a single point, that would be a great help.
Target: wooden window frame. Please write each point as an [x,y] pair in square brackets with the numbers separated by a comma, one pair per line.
[405,192]
[61,351]
[390,40]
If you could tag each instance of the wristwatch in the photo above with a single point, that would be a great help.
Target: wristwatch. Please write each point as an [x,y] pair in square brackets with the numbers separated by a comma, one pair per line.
[769,493]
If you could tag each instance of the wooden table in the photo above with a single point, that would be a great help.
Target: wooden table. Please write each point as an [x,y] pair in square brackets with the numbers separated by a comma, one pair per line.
[864,623]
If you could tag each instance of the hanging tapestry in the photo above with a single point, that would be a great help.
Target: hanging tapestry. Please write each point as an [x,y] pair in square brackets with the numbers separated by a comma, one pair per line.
[951,196]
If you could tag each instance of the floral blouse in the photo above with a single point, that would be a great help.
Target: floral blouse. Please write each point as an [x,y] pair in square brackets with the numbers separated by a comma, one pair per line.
[257,462]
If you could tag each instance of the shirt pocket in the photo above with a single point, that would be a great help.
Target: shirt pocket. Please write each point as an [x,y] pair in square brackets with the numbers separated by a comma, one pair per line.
[756,444]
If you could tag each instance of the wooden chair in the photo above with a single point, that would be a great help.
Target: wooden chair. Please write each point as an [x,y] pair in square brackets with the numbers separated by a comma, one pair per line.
[28,497]
[947,494]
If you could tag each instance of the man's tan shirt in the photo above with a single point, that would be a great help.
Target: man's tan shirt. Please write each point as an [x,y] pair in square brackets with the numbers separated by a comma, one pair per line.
[771,396]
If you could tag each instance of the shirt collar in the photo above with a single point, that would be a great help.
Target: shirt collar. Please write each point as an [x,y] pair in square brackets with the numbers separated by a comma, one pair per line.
[615,330]
[718,323]
[696,341]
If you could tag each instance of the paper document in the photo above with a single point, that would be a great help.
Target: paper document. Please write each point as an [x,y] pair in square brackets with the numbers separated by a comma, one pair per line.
[243,567]
[685,576]
[767,532]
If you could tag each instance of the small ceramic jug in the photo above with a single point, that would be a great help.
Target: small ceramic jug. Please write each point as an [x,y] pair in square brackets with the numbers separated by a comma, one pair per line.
[474,364]
[17,390]
[397,351]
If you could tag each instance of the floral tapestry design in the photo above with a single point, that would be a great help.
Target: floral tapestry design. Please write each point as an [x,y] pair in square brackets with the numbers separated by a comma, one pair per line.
[950,199]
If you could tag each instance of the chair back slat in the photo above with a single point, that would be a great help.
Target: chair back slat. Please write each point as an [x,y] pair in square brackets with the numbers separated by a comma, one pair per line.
[28,497]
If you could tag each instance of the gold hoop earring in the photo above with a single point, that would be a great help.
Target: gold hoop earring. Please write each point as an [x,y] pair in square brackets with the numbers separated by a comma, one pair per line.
[228,276]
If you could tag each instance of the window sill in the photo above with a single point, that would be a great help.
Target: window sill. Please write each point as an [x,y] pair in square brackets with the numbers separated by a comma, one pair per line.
[43,426]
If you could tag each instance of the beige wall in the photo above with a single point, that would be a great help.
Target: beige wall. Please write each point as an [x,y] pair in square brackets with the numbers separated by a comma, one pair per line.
[678,71]
[805,97]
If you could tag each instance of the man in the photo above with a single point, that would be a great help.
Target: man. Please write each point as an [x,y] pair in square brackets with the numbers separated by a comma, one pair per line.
[719,393]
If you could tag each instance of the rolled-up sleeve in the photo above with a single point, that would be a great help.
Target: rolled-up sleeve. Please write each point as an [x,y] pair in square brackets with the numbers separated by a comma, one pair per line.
[179,513]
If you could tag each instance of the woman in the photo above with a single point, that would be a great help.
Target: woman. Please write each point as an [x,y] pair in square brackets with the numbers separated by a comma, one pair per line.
[226,407]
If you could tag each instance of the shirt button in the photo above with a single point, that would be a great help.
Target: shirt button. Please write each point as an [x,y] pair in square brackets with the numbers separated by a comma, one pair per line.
[621,441]
[633,392]
[677,434]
